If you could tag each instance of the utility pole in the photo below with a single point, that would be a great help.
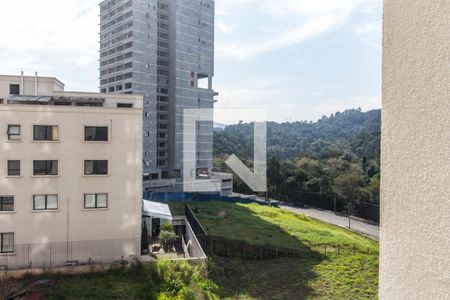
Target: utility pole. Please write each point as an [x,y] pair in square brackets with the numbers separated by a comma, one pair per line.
[334,199]
[349,211]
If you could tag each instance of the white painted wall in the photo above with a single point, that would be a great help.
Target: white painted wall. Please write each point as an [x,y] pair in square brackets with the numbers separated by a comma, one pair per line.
[415,189]
[71,222]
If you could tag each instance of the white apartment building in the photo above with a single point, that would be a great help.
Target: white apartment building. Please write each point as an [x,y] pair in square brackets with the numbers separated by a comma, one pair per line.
[70,174]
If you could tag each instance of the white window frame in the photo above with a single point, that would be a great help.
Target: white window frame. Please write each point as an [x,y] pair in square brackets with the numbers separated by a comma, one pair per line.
[1,242]
[46,202]
[96,195]
[18,136]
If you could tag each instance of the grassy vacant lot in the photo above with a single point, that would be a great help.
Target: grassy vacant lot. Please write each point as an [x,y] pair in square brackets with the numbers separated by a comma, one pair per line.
[270,226]
[330,276]
[344,278]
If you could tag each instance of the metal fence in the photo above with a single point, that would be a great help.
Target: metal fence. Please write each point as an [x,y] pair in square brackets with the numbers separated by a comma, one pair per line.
[197,228]
[235,248]
[48,255]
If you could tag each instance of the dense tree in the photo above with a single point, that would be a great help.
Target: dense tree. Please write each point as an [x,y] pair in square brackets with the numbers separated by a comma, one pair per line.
[315,163]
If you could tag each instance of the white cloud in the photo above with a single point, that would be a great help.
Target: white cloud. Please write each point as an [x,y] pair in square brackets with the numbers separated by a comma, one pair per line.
[293,22]
[57,38]
[371,34]
[281,105]
[224,28]
[368,28]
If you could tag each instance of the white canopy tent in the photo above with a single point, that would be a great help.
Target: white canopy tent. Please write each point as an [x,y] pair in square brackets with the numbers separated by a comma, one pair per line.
[156,210]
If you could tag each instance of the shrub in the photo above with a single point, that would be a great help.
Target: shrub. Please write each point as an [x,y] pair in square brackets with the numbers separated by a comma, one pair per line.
[168,239]
[166,226]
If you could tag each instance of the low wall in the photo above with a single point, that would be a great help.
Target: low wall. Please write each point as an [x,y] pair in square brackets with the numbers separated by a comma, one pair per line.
[49,255]
[77,270]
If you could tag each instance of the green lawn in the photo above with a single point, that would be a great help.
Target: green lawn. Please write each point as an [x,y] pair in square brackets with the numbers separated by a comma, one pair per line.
[346,277]
[270,226]
[331,276]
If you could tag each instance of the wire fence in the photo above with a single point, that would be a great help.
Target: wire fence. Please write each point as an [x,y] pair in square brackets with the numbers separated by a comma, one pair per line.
[49,255]
[197,228]
[234,248]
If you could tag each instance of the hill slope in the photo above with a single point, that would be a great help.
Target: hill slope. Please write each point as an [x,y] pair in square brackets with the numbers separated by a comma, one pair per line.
[352,132]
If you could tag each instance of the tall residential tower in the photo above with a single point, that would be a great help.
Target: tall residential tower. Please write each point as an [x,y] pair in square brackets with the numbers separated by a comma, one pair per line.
[163,49]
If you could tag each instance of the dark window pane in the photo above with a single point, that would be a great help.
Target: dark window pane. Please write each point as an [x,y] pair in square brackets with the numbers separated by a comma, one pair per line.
[124,105]
[96,134]
[45,133]
[96,167]
[39,133]
[13,167]
[7,203]
[102,167]
[45,167]
[14,89]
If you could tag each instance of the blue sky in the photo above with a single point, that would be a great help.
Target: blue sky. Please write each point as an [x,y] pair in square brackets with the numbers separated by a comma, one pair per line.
[297,59]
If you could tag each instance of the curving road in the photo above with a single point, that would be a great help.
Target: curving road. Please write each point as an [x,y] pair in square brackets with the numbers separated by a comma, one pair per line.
[357,225]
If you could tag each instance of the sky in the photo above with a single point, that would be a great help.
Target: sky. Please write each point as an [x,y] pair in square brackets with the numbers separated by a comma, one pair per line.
[295,59]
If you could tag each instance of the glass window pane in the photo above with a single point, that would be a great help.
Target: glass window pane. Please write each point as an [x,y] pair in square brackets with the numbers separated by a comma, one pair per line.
[52,202]
[88,167]
[53,168]
[39,202]
[7,203]
[89,133]
[102,201]
[96,133]
[54,136]
[102,134]
[13,129]
[89,201]
[102,167]
[39,133]
[7,243]
[13,167]
[38,167]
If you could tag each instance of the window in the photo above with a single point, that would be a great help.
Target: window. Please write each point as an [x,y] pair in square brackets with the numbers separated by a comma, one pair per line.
[125,105]
[14,89]
[98,134]
[13,132]
[45,167]
[45,133]
[92,201]
[95,167]
[6,243]
[6,203]
[13,167]
[45,202]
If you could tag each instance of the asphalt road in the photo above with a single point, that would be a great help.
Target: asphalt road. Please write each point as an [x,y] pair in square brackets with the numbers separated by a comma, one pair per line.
[369,230]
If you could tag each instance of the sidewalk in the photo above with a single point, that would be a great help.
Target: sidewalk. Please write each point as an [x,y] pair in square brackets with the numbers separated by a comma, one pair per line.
[357,225]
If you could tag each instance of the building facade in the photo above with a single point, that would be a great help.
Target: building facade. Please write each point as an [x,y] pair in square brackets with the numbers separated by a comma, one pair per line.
[164,50]
[70,174]
[415,156]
